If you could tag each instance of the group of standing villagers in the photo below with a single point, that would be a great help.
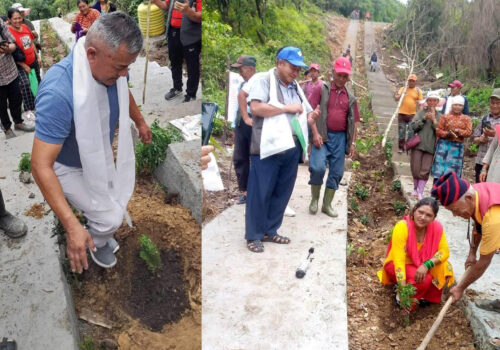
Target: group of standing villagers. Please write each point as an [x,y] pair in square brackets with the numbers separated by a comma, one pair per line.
[332,113]
[441,133]
[418,251]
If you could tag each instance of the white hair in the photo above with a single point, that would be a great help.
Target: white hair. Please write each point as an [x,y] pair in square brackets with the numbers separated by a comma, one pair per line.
[115,29]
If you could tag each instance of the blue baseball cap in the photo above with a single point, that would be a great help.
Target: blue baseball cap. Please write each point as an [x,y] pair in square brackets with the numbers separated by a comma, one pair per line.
[292,55]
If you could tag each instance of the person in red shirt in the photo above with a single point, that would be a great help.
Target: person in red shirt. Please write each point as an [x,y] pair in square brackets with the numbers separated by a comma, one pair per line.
[184,43]
[312,88]
[25,41]
[333,136]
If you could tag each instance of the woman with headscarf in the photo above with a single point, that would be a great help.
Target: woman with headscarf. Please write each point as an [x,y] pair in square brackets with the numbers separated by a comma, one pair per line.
[418,254]
[424,125]
[453,128]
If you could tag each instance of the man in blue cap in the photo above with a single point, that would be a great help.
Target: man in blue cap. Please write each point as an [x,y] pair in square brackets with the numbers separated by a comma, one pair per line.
[272,177]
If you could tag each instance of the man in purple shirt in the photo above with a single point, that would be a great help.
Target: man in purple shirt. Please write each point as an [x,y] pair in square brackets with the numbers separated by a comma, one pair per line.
[333,136]
[312,88]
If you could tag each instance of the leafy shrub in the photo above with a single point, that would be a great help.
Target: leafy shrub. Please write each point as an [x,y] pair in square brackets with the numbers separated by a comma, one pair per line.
[219,125]
[364,145]
[362,253]
[349,249]
[148,157]
[479,101]
[396,185]
[150,254]
[399,207]
[353,204]
[361,191]
[473,148]
[25,162]
[406,297]
[388,150]
[365,219]
[356,165]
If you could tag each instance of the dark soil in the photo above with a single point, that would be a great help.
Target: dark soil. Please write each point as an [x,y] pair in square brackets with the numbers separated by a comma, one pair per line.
[161,298]
[374,319]
[145,311]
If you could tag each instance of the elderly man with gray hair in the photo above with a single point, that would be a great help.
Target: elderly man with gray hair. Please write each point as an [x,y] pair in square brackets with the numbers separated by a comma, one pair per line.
[79,104]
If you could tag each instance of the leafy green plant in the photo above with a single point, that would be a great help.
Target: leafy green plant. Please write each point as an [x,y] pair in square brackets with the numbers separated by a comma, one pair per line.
[353,204]
[399,207]
[150,254]
[364,145]
[396,185]
[479,100]
[406,298]
[87,344]
[473,148]
[361,191]
[25,163]
[365,219]
[349,249]
[219,126]
[388,150]
[363,254]
[355,165]
[148,157]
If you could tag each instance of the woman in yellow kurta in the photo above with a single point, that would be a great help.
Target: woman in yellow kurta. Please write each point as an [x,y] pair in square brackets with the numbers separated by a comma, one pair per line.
[418,253]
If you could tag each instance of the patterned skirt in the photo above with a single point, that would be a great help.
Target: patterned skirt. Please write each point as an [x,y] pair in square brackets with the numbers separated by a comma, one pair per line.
[449,156]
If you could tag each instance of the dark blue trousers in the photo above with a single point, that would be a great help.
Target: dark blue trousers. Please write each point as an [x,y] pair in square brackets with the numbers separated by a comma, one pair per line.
[270,186]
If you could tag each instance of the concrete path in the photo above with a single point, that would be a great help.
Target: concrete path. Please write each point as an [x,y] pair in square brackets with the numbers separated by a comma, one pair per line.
[455,228]
[256,299]
[35,306]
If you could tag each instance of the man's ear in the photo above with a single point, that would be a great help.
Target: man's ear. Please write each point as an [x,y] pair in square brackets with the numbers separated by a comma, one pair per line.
[91,54]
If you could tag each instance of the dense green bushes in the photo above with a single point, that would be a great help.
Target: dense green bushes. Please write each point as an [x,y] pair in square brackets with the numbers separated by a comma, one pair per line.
[283,26]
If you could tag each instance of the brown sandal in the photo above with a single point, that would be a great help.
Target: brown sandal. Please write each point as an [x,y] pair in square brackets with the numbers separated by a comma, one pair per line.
[276,239]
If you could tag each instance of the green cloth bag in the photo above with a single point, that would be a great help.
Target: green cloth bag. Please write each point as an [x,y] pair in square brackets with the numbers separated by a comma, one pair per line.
[298,131]
[33,82]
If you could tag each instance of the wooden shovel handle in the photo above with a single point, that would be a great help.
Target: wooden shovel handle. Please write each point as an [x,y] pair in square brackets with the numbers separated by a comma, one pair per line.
[439,319]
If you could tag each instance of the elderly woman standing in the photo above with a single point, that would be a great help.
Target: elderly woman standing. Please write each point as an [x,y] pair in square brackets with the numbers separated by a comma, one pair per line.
[451,131]
[424,124]
[418,253]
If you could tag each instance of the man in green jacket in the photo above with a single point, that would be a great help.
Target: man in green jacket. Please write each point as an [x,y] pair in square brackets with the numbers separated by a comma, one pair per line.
[333,137]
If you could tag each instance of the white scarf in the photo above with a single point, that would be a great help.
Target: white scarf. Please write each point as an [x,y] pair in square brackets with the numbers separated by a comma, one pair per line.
[105,183]
[276,131]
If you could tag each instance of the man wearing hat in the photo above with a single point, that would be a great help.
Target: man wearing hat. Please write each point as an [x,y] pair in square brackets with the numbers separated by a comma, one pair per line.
[312,88]
[275,96]
[488,155]
[24,13]
[333,137]
[407,110]
[481,203]
[243,127]
[455,86]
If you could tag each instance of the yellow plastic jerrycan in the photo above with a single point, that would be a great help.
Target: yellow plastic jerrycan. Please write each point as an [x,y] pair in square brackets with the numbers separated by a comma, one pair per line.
[156,19]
